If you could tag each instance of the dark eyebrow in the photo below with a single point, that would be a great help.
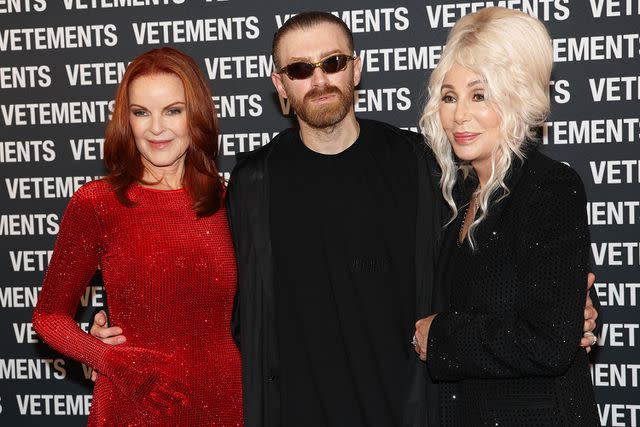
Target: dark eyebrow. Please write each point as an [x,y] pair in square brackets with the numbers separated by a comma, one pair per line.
[323,55]
[164,108]
[470,84]
[174,104]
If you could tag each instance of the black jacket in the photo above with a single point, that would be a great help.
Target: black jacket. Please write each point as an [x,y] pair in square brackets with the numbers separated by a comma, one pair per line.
[507,351]
[254,317]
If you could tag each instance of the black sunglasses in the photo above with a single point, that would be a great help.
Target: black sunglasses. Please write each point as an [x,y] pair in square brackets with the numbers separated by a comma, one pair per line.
[304,70]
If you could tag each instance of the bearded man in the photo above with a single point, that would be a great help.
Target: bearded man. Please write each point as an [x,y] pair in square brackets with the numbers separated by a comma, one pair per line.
[335,226]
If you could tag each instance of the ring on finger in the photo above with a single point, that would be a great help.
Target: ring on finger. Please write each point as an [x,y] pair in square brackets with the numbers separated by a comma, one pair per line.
[414,341]
[592,336]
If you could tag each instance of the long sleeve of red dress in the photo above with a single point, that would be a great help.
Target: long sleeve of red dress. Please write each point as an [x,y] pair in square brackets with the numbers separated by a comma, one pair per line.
[170,278]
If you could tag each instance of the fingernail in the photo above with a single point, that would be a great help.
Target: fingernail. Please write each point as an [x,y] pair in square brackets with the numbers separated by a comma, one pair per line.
[120,340]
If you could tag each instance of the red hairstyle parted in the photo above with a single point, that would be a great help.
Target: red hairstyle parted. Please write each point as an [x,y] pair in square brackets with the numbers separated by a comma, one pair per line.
[122,159]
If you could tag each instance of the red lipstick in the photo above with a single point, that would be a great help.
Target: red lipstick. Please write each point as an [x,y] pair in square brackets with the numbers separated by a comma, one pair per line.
[465,137]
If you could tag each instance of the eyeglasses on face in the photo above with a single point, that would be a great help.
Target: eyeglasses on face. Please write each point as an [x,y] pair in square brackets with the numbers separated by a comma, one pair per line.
[304,70]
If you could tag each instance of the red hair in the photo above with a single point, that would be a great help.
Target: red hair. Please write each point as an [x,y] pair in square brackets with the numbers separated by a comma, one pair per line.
[122,159]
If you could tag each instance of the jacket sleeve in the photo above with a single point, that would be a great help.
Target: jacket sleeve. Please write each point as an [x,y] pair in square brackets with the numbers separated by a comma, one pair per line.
[232,216]
[138,373]
[542,336]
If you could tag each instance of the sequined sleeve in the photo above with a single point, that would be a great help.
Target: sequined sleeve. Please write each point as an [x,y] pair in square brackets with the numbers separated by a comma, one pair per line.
[74,261]
[542,336]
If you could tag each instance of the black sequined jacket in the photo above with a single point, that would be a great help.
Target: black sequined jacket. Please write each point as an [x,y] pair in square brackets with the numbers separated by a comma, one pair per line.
[253,320]
[507,353]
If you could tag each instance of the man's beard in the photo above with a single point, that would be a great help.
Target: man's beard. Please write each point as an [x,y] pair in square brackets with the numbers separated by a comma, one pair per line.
[325,115]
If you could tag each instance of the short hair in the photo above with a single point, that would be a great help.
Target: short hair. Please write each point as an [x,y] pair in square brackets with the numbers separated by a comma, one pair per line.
[511,52]
[201,179]
[306,20]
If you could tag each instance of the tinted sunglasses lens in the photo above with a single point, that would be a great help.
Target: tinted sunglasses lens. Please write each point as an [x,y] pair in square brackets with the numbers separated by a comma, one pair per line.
[303,70]
[300,70]
[333,64]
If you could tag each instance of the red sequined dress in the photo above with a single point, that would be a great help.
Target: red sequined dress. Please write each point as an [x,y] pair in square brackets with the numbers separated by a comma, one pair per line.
[170,279]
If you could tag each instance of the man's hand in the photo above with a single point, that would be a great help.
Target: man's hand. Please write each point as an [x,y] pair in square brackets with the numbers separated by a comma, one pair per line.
[590,316]
[108,335]
[422,335]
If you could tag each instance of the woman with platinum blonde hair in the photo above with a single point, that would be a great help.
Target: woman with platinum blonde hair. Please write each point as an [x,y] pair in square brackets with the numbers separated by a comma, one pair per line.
[504,348]
[512,54]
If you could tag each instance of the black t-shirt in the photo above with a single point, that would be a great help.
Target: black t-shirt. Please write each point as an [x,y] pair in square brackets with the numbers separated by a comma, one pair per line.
[343,238]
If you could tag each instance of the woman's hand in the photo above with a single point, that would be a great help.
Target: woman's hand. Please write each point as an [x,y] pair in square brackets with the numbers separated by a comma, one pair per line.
[142,375]
[422,335]
[590,316]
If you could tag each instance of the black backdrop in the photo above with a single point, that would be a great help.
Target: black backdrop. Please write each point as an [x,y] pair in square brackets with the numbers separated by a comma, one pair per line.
[60,62]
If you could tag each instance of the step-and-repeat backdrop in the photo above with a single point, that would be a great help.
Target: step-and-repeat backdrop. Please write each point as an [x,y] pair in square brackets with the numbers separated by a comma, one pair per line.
[60,63]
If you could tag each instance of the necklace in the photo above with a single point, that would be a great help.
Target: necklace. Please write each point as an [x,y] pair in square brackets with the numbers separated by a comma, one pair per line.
[473,202]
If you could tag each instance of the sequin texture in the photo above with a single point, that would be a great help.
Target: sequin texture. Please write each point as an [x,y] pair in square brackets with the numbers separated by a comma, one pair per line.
[170,279]
[507,352]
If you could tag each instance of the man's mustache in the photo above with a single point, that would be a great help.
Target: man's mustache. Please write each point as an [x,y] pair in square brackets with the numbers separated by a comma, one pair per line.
[322,91]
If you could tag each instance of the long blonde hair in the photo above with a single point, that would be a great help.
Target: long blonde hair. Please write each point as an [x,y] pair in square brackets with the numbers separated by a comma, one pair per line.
[511,52]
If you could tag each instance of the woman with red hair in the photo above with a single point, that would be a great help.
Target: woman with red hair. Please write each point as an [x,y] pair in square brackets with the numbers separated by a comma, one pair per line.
[157,228]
